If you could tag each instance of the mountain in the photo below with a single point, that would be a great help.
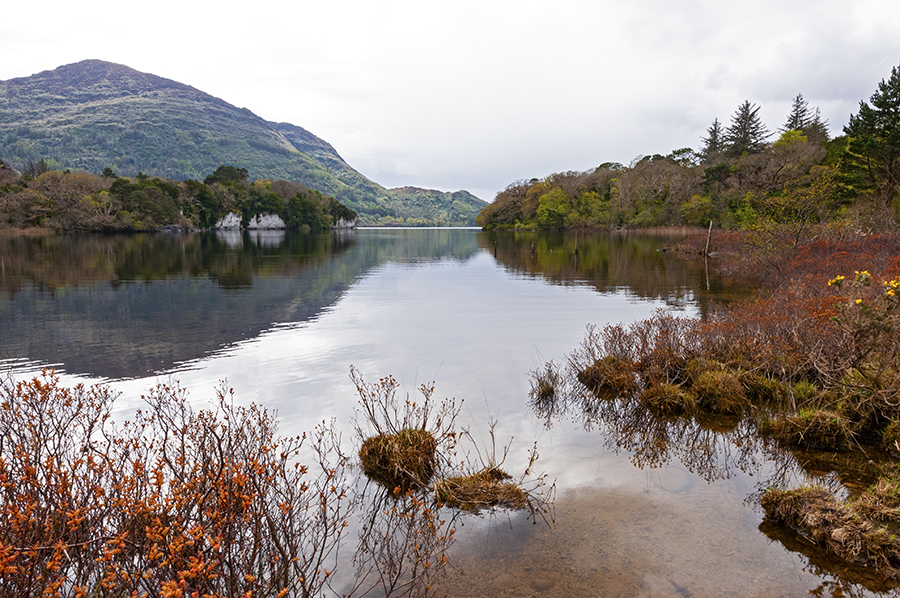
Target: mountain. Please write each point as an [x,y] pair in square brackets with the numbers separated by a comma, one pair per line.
[94,114]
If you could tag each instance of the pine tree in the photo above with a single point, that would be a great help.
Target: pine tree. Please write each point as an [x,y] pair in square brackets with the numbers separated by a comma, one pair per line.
[712,143]
[747,133]
[799,117]
[874,146]
[816,130]
[807,121]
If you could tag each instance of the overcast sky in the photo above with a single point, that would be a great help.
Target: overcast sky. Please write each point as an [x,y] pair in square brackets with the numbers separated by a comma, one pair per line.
[477,94]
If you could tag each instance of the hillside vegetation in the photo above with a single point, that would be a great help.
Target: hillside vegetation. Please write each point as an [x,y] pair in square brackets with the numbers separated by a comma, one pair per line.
[78,201]
[738,178]
[94,115]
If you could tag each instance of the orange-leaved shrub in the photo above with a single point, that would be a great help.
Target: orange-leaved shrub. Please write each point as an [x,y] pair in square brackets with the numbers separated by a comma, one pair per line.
[177,502]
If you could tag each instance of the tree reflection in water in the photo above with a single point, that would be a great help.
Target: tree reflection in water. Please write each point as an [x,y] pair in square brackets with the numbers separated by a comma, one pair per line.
[714,447]
[711,446]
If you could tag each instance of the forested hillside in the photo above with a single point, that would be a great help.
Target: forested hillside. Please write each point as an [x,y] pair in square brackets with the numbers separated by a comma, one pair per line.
[742,175]
[94,115]
[78,201]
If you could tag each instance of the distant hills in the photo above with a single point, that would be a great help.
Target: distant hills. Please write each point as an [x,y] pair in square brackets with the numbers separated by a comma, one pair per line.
[93,115]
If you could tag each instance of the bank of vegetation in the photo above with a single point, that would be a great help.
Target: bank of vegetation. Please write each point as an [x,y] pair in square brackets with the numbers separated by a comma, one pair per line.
[94,114]
[811,363]
[78,201]
[214,502]
[742,176]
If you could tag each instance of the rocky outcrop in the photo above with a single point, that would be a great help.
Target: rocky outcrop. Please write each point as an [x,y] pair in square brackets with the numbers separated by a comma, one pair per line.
[266,222]
[231,221]
[345,224]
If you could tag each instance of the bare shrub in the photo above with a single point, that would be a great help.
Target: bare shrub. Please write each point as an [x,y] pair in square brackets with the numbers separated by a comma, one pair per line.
[403,441]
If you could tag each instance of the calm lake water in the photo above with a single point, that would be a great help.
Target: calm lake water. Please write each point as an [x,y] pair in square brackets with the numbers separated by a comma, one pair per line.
[642,508]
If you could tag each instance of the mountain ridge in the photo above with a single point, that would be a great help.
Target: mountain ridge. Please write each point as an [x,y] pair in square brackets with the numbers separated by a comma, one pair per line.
[94,114]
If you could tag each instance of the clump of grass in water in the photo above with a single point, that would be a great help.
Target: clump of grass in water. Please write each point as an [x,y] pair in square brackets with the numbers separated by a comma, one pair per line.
[405,460]
[545,384]
[764,389]
[405,445]
[668,399]
[881,501]
[837,527]
[609,376]
[720,392]
[487,488]
[822,429]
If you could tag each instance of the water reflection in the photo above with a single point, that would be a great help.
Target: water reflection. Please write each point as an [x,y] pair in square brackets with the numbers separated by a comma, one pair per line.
[436,304]
[125,306]
[711,446]
[638,263]
[719,447]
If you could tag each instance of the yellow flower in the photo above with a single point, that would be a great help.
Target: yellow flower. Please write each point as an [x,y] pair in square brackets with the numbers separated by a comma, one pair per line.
[858,301]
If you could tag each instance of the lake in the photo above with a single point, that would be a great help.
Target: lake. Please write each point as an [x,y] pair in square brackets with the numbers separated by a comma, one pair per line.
[641,508]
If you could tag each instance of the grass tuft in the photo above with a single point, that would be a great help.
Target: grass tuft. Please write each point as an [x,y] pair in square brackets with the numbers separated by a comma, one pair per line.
[403,461]
[483,489]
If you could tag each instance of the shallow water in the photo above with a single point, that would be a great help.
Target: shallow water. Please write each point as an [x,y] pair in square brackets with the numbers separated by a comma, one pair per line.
[283,318]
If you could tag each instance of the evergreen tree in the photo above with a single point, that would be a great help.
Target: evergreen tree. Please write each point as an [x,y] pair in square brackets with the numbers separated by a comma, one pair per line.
[807,121]
[799,117]
[747,133]
[816,130]
[874,146]
[36,169]
[712,143]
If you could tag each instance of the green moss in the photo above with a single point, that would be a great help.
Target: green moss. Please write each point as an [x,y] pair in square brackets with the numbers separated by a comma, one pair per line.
[804,391]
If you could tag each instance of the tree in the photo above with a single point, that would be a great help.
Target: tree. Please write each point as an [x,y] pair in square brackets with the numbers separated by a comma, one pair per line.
[747,133]
[713,143]
[807,121]
[684,156]
[553,207]
[817,129]
[875,139]
[36,169]
[799,117]
[226,174]
[109,173]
